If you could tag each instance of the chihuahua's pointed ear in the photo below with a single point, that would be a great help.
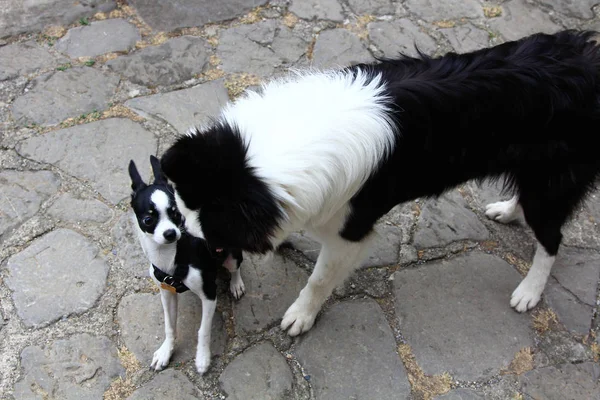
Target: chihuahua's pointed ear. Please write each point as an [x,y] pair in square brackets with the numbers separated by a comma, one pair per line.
[136,180]
[159,177]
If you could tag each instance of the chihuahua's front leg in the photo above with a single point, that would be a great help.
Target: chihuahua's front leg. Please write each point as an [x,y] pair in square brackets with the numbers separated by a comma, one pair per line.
[203,351]
[162,356]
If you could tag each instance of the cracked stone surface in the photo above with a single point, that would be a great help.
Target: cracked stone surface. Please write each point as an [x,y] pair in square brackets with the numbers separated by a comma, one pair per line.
[58,261]
[434,280]
[174,61]
[563,381]
[168,384]
[339,47]
[62,94]
[438,10]
[465,326]
[353,333]
[72,209]
[259,49]
[447,220]
[258,373]
[98,152]
[22,17]
[80,367]
[466,38]
[520,19]
[143,329]
[184,108]
[22,195]
[24,58]
[271,287]
[98,38]
[401,36]
[166,16]
[317,9]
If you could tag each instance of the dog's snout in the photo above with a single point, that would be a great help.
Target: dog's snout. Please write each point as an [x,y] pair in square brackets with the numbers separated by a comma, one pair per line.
[170,234]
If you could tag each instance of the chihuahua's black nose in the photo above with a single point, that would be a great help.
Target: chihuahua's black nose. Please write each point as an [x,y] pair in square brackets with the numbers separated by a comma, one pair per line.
[170,235]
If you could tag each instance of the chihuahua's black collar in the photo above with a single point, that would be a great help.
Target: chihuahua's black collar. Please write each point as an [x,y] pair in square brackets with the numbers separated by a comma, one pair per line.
[174,281]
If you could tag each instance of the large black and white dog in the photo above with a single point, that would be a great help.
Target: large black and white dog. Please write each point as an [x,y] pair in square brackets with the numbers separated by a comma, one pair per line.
[331,152]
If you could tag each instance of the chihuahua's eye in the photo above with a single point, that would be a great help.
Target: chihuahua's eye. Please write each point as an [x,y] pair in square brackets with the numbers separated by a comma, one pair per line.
[148,221]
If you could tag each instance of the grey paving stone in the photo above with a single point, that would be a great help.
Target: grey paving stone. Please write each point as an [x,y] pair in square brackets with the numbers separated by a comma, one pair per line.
[80,367]
[583,230]
[272,286]
[258,373]
[184,108]
[174,61]
[455,314]
[98,152]
[59,262]
[384,250]
[98,38]
[371,7]
[520,19]
[578,271]
[460,394]
[351,353]
[22,195]
[25,58]
[573,8]
[140,317]
[244,48]
[401,36]
[466,38]
[566,381]
[167,385]
[339,48]
[439,10]
[62,94]
[72,209]
[575,315]
[32,16]
[169,15]
[317,9]
[446,220]
[560,346]
[128,249]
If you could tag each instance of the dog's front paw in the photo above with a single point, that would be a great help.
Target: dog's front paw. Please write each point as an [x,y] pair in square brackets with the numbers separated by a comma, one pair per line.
[202,361]
[237,287]
[526,295]
[502,211]
[162,356]
[298,318]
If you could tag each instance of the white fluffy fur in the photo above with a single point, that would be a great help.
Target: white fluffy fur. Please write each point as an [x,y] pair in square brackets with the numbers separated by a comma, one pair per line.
[314,138]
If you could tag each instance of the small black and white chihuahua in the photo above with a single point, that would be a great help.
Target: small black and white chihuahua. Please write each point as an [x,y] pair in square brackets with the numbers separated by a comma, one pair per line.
[178,261]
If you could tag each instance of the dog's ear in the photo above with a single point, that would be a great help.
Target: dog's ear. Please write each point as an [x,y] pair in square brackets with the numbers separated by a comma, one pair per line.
[136,180]
[159,176]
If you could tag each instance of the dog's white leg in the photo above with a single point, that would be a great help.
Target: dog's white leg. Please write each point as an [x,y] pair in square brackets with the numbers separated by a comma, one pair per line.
[236,285]
[336,261]
[504,211]
[529,291]
[162,356]
[203,350]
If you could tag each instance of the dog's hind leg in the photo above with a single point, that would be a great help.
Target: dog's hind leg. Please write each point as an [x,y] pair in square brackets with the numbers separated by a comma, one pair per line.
[504,211]
[162,356]
[547,203]
[336,261]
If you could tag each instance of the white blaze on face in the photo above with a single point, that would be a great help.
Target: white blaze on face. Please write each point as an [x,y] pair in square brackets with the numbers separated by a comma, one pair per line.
[161,203]
[192,223]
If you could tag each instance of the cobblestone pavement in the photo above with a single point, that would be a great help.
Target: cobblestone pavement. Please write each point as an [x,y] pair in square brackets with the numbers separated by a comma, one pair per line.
[85,86]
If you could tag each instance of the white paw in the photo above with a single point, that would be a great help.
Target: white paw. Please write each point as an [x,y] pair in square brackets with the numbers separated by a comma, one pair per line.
[162,356]
[202,361]
[299,318]
[526,295]
[237,288]
[502,211]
